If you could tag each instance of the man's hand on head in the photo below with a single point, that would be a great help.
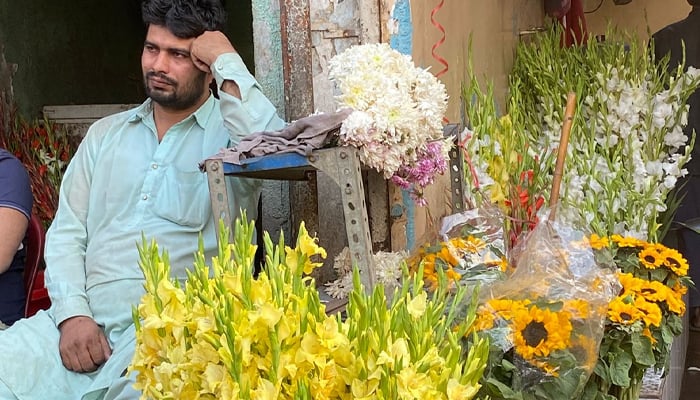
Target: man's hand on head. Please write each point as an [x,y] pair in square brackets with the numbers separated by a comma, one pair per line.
[207,47]
[83,345]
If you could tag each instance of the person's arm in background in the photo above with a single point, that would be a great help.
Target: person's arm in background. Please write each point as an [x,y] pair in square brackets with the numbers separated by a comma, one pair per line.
[15,208]
[13,227]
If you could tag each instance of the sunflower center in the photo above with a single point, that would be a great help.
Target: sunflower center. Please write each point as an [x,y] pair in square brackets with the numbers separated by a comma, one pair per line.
[650,259]
[672,262]
[625,316]
[534,333]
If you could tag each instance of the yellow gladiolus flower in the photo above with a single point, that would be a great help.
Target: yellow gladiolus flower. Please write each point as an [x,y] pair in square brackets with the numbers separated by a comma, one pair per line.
[457,391]
[417,305]
[231,334]
[364,389]
[412,384]
[265,390]
[213,377]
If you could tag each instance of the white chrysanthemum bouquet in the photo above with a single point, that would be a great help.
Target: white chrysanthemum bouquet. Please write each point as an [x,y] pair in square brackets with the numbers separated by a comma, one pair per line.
[398,114]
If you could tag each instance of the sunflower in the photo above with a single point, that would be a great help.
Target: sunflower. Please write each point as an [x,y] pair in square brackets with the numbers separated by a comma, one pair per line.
[623,313]
[650,257]
[538,332]
[505,307]
[654,291]
[484,320]
[675,262]
[630,283]
[596,242]
[675,302]
[680,288]
[585,349]
[651,312]
[580,309]
[627,241]
[647,332]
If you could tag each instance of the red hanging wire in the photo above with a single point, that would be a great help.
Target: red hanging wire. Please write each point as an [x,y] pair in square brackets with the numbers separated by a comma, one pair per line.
[437,44]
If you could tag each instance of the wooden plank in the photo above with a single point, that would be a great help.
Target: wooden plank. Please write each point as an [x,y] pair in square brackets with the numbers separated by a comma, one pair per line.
[82,113]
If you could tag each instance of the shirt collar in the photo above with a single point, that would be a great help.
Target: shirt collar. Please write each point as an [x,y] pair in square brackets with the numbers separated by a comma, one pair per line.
[201,116]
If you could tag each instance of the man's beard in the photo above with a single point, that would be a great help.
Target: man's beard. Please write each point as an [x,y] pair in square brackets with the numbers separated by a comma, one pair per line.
[181,98]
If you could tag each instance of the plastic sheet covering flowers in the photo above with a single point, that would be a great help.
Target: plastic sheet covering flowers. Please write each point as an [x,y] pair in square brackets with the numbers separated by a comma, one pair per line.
[545,321]
[226,334]
[398,114]
[468,250]
[504,168]
[644,317]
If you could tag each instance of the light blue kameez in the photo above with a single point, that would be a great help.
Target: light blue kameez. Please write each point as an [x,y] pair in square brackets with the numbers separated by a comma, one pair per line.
[121,183]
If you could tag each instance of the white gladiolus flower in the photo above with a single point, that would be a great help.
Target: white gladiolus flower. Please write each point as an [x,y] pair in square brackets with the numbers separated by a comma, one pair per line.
[654,167]
[627,148]
[676,138]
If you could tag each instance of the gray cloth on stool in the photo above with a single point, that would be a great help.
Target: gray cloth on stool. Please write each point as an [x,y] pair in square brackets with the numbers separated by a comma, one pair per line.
[301,136]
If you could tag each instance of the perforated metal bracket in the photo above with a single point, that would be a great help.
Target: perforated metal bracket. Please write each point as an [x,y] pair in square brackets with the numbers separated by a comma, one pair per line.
[343,165]
[456,169]
[218,193]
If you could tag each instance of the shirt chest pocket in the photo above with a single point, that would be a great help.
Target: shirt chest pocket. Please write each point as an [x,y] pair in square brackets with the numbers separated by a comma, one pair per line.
[183,198]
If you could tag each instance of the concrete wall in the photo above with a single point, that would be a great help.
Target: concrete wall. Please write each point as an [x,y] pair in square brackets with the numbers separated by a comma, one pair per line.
[640,16]
[494,27]
[86,51]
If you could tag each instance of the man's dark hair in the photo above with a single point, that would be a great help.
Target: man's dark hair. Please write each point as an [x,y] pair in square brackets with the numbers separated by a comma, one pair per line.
[184,18]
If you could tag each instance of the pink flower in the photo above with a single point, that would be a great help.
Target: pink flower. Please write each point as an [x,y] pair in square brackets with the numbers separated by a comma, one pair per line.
[432,160]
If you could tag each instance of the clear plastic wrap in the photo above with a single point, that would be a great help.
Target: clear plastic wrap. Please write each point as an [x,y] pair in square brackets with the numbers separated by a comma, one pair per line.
[468,249]
[545,320]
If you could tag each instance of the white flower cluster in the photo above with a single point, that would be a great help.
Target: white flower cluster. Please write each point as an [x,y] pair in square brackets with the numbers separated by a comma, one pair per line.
[397,107]
[621,166]
[386,272]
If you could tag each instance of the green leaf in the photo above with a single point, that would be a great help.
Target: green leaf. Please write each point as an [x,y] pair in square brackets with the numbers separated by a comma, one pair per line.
[675,324]
[642,350]
[619,369]
[503,391]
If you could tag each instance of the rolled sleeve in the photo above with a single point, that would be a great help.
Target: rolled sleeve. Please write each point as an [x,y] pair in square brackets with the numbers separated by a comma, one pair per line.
[253,112]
